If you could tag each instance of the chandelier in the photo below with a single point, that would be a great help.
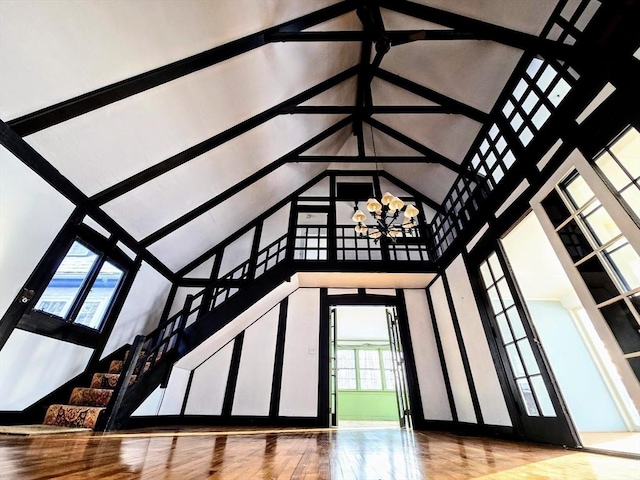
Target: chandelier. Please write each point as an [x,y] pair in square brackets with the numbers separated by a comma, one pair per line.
[385,214]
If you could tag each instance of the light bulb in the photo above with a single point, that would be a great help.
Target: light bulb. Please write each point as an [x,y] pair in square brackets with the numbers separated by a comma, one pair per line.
[359,216]
[386,198]
[411,211]
[396,204]
[394,233]
[375,233]
[361,229]
[373,205]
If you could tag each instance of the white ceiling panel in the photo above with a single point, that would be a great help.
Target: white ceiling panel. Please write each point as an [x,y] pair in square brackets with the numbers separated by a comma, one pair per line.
[348,21]
[333,144]
[342,94]
[195,238]
[110,144]
[449,135]
[471,71]
[431,179]
[59,49]
[386,145]
[399,21]
[385,93]
[528,16]
[167,197]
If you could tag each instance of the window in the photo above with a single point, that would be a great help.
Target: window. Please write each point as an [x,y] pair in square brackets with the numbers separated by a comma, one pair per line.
[365,368]
[82,288]
[619,165]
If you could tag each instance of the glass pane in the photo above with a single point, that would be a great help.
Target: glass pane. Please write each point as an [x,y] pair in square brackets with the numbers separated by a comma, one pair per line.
[519,90]
[529,360]
[625,262]
[527,398]
[559,92]
[370,379]
[347,379]
[543,396]
[368,359]
[486,274]
[495,266]
[600,224]
[627,149]
[533,67]
[503,325]
[387,359]
[612,171]
[574,241]
[501,144]
[579,192]
[516,323]
[102,291]
[526,136]
[530,102]
[390,380]
[508,159]
[541,117]
[597,280]
[490,160]
[516,122]
[514,360]
[508,109]
[498,174]
[631,196]
[346,359]
[505,293]
[546,78]
[65,285]
[623,325]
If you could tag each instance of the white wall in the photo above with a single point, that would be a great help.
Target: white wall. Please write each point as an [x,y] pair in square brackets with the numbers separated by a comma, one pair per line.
[362,323]
[453,358]
[32,214]
[275,226]
[299,392]
[175,391]
[236,253]
[209,383]
[433,392]
[255,373]
[142,308]
[490,396]
[31,366]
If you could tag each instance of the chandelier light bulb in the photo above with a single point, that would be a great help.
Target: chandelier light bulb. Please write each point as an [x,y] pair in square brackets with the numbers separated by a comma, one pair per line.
[373,205]
[359,216]
[411,211]
[375,233]
[395,204]
[394,232]
[386,198]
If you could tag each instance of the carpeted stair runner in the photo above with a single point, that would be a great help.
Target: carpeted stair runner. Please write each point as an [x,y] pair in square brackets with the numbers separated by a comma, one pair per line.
[87,404]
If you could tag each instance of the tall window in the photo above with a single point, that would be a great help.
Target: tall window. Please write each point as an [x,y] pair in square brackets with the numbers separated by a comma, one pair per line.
[365,368]
[83,287]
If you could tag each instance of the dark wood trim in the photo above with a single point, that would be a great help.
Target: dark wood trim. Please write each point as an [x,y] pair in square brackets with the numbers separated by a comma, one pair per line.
[205,146]
[63,111]
[471,429]
[232,379]
[324,390]
[187,391]
[374,109]
[246,182]
[358,159]
[443,362]
[396,37]
[431,156]
[220,420]
[454,106]
[463,350]
[276,383]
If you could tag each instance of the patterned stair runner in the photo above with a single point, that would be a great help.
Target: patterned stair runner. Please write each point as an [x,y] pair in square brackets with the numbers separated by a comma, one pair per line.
[87,404]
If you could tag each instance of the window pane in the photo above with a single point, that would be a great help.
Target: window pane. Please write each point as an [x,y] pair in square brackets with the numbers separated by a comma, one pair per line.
[541,116]
[530,102]
[559,92]
[519,90]
[370,379]
[387,359]
[516,323]
[390,380]
[368,359]
[547,76]
[527,398]
[625,262]
[631,196]
[529,360]
[63,288]
[612,171]
[347,379]
[486,274]
[102,291]
[514,359]
[346,359]
[627,151]
[579,192]
[600,224]
[495,266]
[543,396]
[503,325]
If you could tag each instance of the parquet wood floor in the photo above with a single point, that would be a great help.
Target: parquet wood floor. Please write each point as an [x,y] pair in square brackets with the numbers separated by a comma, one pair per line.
[351,454]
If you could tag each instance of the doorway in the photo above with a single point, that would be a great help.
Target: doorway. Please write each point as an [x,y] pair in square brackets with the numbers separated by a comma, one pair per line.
[599,405]
[368,377]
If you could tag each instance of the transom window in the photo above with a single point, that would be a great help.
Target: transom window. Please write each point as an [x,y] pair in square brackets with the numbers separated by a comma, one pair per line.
[365,368]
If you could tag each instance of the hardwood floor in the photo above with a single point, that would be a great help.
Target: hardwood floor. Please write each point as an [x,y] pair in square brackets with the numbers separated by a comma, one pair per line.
[358,454]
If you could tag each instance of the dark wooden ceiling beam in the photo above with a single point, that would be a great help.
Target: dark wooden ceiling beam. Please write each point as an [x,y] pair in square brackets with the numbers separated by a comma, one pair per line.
[376,109]
[453,105]
[397,37]
[431,156]
[63,111]
[483,30]
[183,157]
[358,159]
[246,182]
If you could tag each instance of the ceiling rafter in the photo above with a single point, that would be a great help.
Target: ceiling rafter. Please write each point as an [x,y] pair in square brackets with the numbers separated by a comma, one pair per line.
[396,37]
[66,110]
[431,156]
[483,30]
[455,106]
[192,152]
[375,109]
[358,159]
[246,182]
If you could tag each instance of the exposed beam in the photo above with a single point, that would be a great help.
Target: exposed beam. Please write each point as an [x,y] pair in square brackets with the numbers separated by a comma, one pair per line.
[32,159]
[454,106]
[430,155]
[217,140]
[376,109]
[246,182]
[358,159]
[60,112]
[396,37]
[483,30]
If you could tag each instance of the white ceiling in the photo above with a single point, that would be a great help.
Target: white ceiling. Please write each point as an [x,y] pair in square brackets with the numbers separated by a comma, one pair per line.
[52,51]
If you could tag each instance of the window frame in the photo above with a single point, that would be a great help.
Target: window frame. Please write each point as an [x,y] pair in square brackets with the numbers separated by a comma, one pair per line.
[381,367]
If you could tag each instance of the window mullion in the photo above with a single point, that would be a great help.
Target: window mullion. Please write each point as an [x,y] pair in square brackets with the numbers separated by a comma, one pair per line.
[86,288]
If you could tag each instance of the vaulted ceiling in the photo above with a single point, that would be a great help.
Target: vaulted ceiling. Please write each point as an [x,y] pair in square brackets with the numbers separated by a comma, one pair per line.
[184,120]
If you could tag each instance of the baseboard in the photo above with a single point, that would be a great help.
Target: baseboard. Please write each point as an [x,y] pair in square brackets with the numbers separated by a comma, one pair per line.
[220,421]
[471,429]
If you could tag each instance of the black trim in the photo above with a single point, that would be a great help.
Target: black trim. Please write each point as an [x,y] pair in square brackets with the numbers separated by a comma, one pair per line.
[219,420]
[324,408]
[187,391]
[58,113]
[276,383]
[463,349]
[232,379]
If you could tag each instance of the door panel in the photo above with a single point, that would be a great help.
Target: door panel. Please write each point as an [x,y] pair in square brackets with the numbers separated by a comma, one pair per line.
[399,372]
